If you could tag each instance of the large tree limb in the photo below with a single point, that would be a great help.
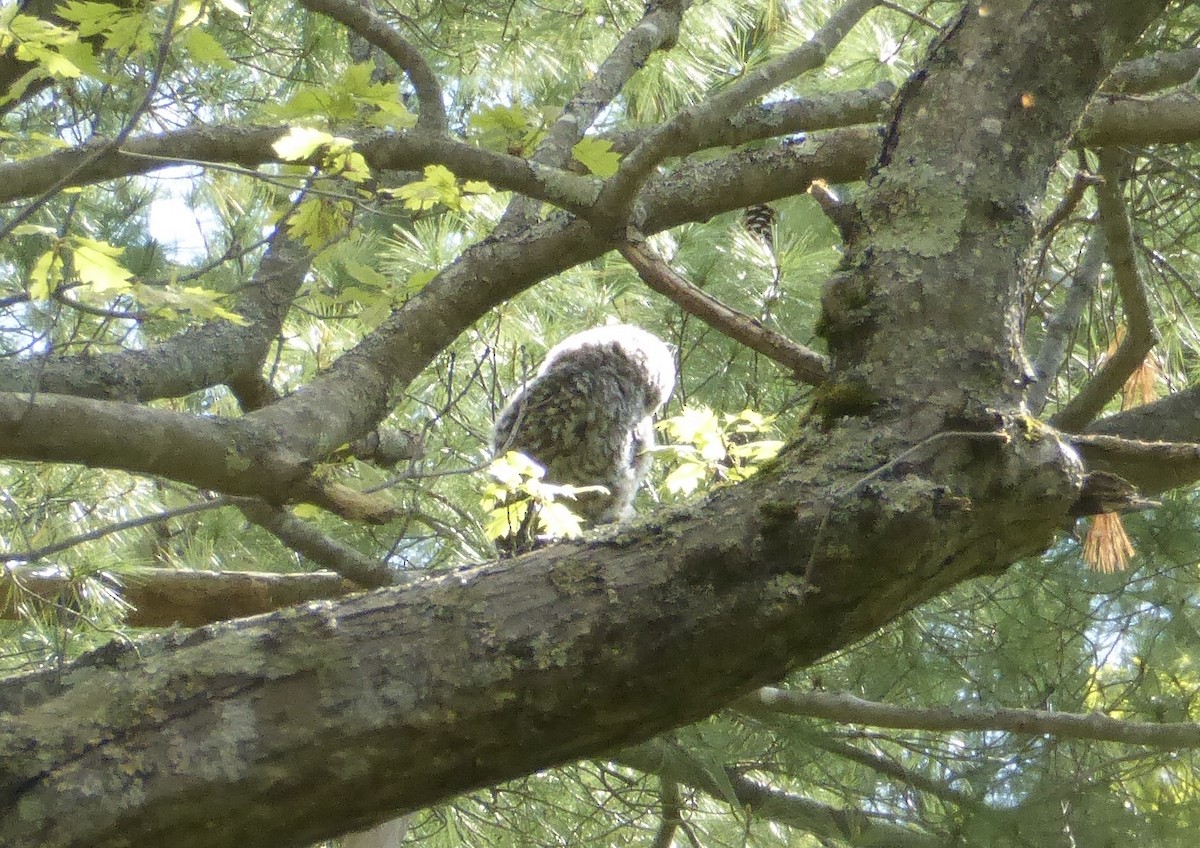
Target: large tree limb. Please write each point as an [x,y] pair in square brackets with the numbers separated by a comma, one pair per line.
[484,674]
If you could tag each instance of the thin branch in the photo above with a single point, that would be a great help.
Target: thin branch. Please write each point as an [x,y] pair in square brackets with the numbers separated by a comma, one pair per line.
[1140,334]
[1079,186]
[1062,326]
[673,137]
[107,530]
[367,23]
[853,827]
[161,597]
[779,119]
[305,539]
[847,709]
[195,359]
[894,770]
[672,814]
[155,77]
[806,364]
[657,30]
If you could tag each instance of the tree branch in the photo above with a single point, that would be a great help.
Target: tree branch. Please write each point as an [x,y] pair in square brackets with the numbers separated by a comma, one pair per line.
[807,365]
[163,597]
[214,353]
[367,23]
[847,709]
[1062,326]
[1140,335]
[673,136]
[851,827]
[302,537]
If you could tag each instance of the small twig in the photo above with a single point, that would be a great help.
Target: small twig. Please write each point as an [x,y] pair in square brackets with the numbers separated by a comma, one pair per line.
[1140,334]
[910,14]
[1070,201]
[806,364]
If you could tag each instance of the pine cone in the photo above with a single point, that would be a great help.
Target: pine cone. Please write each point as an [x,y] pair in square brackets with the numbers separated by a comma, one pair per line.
[759,221]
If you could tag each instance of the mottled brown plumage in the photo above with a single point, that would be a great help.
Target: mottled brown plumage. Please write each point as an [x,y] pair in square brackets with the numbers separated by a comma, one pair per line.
[587,416]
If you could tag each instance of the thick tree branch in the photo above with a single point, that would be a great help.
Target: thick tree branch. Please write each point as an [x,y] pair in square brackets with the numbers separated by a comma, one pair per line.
[807,365]
[1140,333]
[251,146]
[1154,72]
[738,592]
[1151,466]
[1114,119]
[847,709]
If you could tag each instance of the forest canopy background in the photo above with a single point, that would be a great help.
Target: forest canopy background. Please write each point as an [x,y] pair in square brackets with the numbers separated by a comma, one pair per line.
[268,272]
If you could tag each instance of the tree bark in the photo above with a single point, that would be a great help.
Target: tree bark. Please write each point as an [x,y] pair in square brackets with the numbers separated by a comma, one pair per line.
[916,471]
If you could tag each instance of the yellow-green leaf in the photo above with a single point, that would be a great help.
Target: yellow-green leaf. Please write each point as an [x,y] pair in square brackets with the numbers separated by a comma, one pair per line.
[205,49]
[96,265]
[300,143]
[44,276]
[596,154]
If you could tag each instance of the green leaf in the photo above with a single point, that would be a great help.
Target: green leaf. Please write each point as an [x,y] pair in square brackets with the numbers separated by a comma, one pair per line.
[419,280]
[366,275]
[559,521]
[596,154]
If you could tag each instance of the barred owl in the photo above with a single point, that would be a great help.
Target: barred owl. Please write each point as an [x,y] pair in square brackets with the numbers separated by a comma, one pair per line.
[587,416]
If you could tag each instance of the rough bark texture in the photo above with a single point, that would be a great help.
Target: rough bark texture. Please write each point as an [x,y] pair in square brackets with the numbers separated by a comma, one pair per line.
[292,723]
[916,471]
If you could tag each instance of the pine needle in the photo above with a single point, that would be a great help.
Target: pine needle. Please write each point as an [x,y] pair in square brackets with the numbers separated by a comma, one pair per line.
[1107,547]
